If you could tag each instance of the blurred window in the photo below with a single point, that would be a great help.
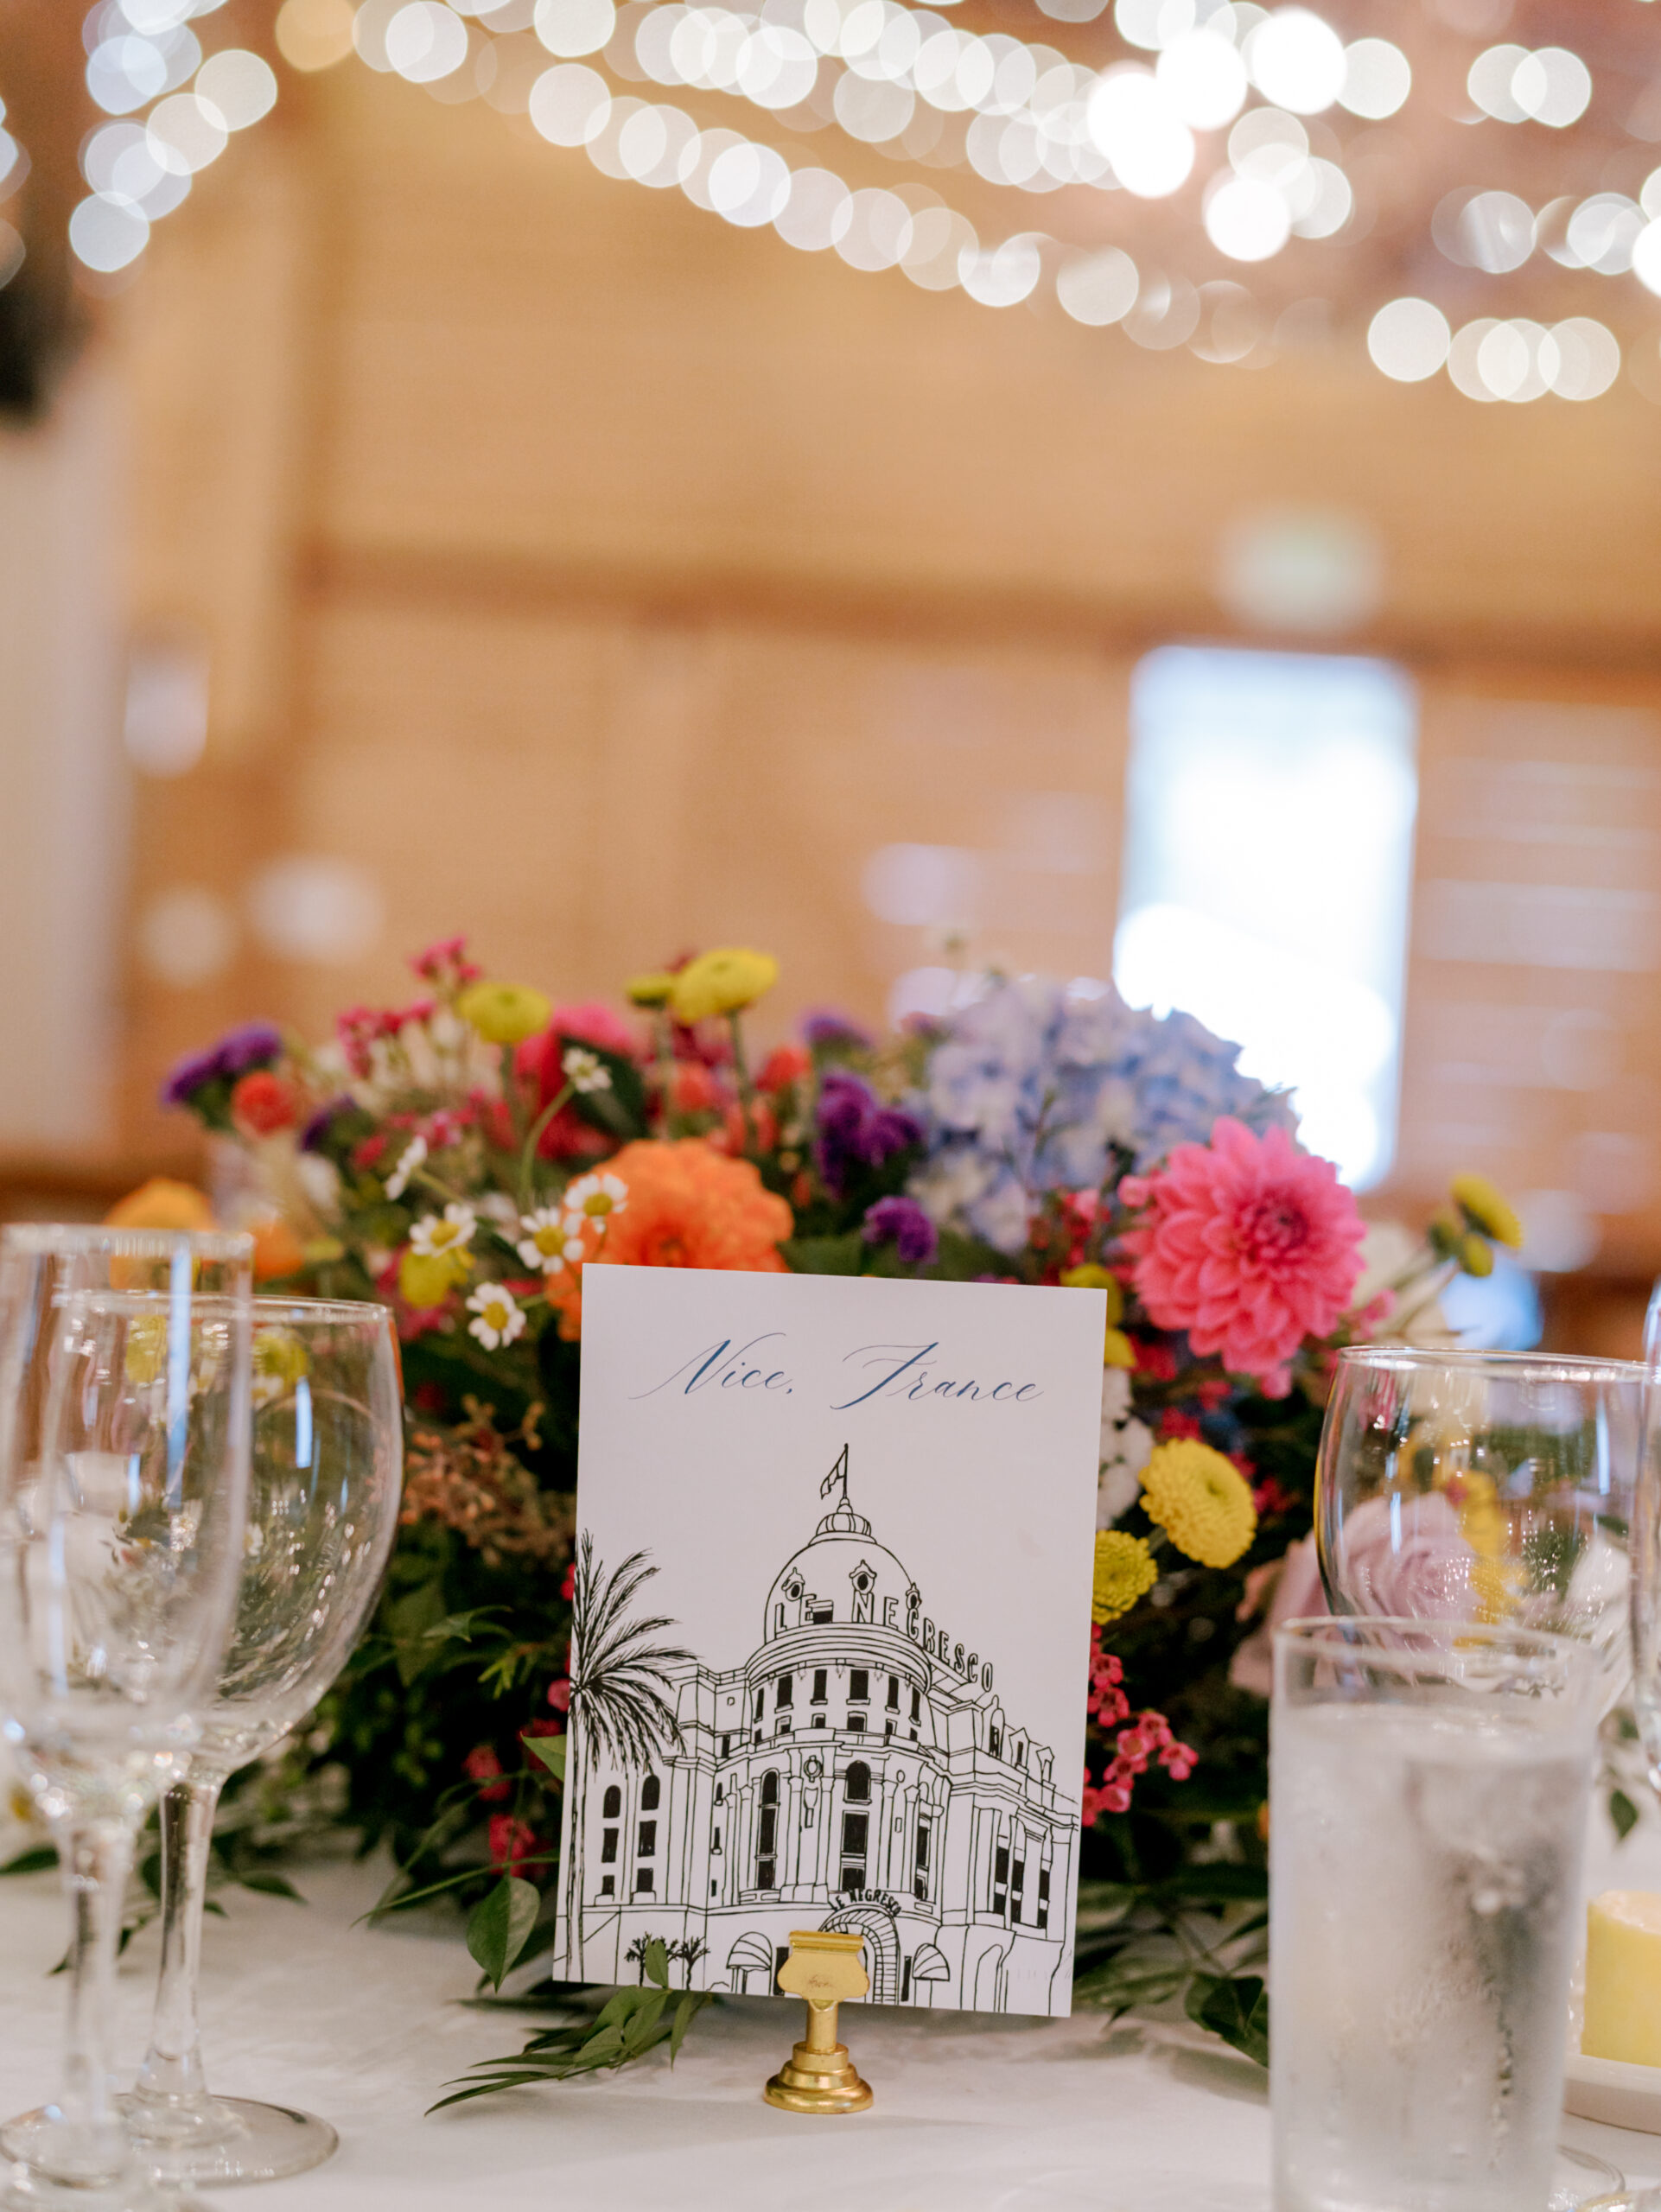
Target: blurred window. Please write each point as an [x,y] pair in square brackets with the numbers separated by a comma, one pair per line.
[1268,867]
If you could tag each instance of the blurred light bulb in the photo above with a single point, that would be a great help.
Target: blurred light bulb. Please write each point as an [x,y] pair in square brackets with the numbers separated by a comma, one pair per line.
[1296,60]
[1131,122]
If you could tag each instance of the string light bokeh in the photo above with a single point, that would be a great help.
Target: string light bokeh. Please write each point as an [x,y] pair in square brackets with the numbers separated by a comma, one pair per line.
[1216,130]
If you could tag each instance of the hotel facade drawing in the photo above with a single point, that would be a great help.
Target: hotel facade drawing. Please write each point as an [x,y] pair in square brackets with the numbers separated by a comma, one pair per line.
[857,1770]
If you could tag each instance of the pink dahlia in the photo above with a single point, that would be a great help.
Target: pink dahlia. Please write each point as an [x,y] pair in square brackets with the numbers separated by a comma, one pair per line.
[1251,1246]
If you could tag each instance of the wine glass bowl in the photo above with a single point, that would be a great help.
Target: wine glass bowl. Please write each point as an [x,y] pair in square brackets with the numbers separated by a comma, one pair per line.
[124,1451]
[1490,1487]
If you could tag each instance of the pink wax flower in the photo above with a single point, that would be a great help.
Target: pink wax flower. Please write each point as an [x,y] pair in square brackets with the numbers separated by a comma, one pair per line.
[1251,1246]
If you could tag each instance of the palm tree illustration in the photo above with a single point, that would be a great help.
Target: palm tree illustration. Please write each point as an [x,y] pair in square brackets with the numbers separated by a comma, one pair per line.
[620,1709]
[689,1951]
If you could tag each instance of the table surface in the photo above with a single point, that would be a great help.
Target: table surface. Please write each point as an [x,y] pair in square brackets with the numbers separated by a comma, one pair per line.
[362,2025]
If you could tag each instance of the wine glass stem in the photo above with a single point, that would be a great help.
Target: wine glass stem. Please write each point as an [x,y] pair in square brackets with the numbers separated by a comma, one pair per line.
[172,2071]
[96,1858]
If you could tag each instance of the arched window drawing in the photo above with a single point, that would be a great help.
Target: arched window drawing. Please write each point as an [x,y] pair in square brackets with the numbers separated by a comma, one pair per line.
[859,1783]
[650,1792]
[612,1804]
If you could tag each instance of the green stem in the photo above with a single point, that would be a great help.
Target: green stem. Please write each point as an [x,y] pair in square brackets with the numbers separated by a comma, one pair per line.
[512,1096]
[745,1090]
[533,1137]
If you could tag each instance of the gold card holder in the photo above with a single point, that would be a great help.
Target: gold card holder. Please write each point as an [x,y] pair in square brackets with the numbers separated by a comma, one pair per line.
[818,2076]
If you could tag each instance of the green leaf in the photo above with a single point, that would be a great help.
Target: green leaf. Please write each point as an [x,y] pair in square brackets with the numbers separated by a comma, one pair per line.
[1622,1812]
[407,1619]
[826,1256]
[34,1860]
[271,1885]
[500,1923]
[1103,1905]
[549,1751]
[1216,1883]
[656,1961]
[685,2013]
[1124,1982]
[1234,2006]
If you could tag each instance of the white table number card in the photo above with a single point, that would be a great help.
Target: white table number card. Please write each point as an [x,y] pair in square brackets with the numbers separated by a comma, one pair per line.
[833,1584]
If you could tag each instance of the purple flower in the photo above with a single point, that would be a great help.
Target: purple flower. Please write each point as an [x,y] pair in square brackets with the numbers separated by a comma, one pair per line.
[825,1027]
[855,1132]
[256,1044]
[915,1237]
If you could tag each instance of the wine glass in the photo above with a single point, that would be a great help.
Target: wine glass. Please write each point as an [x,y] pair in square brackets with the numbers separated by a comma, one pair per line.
[124,1462]
[1646,1555]
[1483,1486]
[323,1492]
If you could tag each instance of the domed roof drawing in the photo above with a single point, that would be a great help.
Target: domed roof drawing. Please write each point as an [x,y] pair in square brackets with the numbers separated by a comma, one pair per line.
[841,1573]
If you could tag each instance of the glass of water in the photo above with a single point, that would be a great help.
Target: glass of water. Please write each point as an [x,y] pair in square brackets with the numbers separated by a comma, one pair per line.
[1428,1788]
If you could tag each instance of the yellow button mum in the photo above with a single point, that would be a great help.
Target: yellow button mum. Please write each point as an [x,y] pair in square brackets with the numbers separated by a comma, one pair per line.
[505,1014]
[650,990]
[426,1279]
[722,982]
[1124,1572]
[1090,1276]
[1486,1208]
[1201,1501]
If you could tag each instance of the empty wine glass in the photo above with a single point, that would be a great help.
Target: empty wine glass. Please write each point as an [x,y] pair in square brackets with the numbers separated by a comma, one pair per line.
[123,1456]
[1483,1486]
[323,1494]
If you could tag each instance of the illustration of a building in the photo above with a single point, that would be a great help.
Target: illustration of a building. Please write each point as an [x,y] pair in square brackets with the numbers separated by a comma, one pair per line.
[857,1770]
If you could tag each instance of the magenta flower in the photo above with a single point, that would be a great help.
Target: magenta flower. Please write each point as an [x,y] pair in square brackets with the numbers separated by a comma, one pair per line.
[1250,1246]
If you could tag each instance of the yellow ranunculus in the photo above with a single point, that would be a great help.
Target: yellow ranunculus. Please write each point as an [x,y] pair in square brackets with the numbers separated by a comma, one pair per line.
[426,1279]
[1200,1499]
[722,982]
[1125,1571]
[1488,1209]
[505,1014]
[650,990]
[1117,1351]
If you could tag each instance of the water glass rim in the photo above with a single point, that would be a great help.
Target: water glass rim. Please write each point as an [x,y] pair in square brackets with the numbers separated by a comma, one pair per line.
[1368,1636]
[47,1240]
[1544,1366]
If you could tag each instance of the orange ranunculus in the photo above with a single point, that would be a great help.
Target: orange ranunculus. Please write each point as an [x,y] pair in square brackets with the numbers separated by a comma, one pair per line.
[163,1204]
[277,1250]
[688,1207]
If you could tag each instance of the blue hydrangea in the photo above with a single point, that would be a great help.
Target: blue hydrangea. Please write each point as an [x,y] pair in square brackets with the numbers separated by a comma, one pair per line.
[1030,1086]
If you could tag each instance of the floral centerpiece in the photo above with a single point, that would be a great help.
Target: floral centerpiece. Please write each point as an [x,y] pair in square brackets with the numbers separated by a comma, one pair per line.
[469,1157]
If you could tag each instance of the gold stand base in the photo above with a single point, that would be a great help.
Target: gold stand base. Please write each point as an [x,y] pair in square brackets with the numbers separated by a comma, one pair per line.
[818,2080]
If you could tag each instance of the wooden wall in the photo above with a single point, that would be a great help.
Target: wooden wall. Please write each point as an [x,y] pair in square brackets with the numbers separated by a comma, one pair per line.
[603,580]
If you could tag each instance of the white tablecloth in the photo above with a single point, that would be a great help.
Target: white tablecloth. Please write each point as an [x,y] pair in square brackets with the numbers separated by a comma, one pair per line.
[361,2025]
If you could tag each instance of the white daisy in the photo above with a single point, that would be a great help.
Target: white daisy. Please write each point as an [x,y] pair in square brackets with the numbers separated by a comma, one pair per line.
[591,1198]
[499,1318]
[409,1159]
[551,1240]
[585,1070]
[447,1232]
